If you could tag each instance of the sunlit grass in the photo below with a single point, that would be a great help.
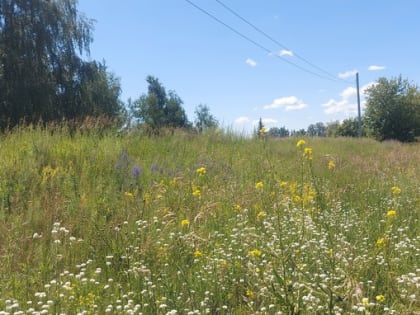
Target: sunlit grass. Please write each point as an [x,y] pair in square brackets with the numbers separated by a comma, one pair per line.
[214,223]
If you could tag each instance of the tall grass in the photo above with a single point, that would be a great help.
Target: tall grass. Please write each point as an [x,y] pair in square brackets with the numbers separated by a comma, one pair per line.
[207,224]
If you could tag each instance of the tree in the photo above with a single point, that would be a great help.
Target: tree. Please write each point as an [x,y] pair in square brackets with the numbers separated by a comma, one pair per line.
[392,110]
[349,128]
[157,110]
[317,129]
[43,76]
[203,119]
[279,132]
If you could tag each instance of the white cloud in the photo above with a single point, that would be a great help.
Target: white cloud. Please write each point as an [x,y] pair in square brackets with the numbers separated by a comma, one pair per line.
[242,120]
[376,68]
[348,102]
[289,103]
[285,52]
[348,92]
[347,74]
[251,62]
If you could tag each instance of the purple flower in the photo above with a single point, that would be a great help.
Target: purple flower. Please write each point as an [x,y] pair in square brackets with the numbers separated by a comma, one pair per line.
[136,171]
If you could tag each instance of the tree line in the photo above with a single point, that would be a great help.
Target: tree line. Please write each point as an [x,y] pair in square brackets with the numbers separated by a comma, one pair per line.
[44,78]
[392,113]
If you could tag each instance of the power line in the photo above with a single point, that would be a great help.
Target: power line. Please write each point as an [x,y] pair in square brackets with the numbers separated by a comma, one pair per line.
[276,41]
[265,49]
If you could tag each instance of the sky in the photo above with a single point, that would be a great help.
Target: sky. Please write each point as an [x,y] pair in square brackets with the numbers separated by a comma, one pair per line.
[291,63]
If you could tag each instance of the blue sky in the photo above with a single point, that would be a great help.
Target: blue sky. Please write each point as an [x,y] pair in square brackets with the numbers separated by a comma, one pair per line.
[207,63]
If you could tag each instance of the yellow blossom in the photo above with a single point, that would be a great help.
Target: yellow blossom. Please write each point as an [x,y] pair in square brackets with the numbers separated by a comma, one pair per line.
[307,153]
[331,165]
[201,171]
[380,242]
[237,207]
[196,192]
[380,298]
[261,214]
[128,194]
[365,301]
[396,190]
[255,252]
[198,253]
[300,143]
[391,213]
[185,222]
[259,185]
[283,184]
[249,293]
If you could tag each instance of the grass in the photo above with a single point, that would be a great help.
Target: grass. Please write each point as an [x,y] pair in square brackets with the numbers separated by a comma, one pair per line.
[214,223]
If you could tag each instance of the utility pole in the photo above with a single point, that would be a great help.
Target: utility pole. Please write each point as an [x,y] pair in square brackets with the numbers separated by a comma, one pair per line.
[358,106]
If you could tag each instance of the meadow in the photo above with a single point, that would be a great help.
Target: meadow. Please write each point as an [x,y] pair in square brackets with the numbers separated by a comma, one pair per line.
[107,223]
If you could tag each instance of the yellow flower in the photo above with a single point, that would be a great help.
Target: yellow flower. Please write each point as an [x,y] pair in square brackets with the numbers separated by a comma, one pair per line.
[255,252]
[380,242]
[263,130]
[365,301]
[283,184]
[380,298]
[307,153]
[249,293]
[198,253]
[196,192]
[300,143]
[259,185]
[261,214]
[396,190]
[201,171]
[128,194]
[237,207]
[185,222]
[391,214]
[331,165]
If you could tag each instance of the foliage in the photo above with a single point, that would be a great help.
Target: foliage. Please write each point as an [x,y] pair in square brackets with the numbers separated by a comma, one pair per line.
[203,119]
[96,224]
[392,110]
[159,109]
[279,132]
[317,129]
[42,74]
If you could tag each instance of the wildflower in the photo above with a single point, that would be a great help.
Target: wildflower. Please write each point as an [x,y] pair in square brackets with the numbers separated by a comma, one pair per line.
[331,165]
[365,301]
[307,153]
[262,131]
[185,222]
[261,214]
[196,192]
[391,213]
[249,293]
[136,171]
[255,252]
[198,253]
[283,184]
[201,171]
[380,242]
[128,194]
[259,185]
[237,207]
[300,143]
[396,190]
[380,298]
